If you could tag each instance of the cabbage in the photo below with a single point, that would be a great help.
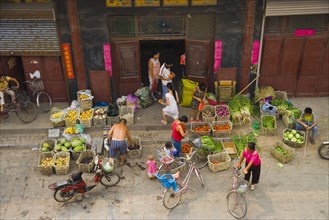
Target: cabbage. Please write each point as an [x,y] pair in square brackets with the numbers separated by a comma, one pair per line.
[293,139]
[290,136]
[301,138]
[293,131]
[297,135]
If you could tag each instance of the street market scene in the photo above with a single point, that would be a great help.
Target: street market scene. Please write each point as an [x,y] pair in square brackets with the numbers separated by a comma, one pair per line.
[161,119]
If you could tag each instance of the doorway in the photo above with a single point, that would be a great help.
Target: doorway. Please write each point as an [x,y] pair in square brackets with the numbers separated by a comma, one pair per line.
[169,50]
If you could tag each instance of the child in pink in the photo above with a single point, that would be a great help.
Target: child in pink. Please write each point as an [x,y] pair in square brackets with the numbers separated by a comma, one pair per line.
[152,169]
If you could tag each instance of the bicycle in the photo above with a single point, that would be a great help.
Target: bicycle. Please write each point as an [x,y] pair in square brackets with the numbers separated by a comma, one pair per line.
[25,110]
[173,193]
[236,202]
[41,97]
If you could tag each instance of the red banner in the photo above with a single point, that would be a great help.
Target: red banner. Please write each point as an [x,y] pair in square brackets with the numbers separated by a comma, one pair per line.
[217,55]
[255,51]
[304,33]
[68,61]
[107,58]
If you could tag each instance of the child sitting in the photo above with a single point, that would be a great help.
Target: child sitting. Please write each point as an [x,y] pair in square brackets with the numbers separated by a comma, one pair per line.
[169,149]
[152,169]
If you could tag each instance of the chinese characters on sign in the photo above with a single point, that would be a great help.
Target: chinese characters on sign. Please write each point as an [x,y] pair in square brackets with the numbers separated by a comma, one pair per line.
[217,55]
[147,3]
[175,2]
[255,52]
[203,2]
[68,61]
[118,3]
[107,58]
[304,32]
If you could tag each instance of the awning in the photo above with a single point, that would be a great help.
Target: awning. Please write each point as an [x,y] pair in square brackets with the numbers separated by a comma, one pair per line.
[296,7]
[28,29]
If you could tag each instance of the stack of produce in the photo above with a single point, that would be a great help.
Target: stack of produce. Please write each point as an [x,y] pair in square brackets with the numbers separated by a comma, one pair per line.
[99,113]
[281,105]
[241,109]
[71,117]
[222,112]
[241,141]
[213,146]
[294,137]
[202,128]
[46,162]
[186,147]
[77,129]
[268,122]
[77,144]
[85,117]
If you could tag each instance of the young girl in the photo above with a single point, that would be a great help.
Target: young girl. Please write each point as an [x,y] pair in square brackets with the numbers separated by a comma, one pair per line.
[170,108]
[169,149]
[152,169]
[199,93]
[253,164]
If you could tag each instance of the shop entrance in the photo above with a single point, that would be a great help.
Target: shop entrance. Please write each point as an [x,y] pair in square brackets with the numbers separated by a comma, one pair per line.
[169,50]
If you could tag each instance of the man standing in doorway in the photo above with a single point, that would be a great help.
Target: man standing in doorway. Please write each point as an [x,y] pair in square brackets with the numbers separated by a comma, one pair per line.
[153,71]
[166,77]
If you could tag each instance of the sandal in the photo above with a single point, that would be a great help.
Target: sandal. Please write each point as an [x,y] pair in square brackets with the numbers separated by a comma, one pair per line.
[123,162]
[163,122]
[252,187]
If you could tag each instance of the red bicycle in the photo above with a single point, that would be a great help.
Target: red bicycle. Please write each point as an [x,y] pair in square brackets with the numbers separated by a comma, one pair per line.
[66,189]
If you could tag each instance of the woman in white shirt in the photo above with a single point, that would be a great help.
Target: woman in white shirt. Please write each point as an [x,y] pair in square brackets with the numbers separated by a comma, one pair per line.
[171,108]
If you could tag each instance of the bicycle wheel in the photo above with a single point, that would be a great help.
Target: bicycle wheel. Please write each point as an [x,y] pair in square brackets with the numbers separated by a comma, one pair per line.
[44,101]
[27,112]
[167,168]
[170,198]
[236,204]
[63,196]
[110,179]
[199,176]
[200,158]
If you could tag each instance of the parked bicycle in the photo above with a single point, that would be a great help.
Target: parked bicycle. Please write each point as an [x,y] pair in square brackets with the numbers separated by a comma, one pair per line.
[236,202]
[25,110]
[39,95]
[174,190]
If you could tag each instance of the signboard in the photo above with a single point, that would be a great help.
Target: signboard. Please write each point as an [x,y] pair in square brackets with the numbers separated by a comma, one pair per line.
[175,2]
[118,3]
[255,52]
[204,2]
[217,55]
[107,58]
[303,33]
[68,61]
[147,3]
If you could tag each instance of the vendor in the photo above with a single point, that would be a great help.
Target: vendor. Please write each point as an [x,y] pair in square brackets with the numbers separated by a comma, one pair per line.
[307,121]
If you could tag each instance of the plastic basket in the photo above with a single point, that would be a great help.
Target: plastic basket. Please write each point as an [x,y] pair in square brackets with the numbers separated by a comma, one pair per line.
[62,170]
[291,143]
[230,148]
[127,112]
[288,123]
[86,167]
[112,120]
[136,153]
[268,131]
[222,118]
[280,156]
[167,180]
[87,123]
[194,125]
[217,133]
[85,103]
[51,142]
[46,170]
[207,117]
[277,115]
[100,122]
[223,160]
[71,122]
[281,95]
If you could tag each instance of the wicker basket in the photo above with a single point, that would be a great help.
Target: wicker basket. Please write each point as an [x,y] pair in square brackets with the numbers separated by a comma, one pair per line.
[36,85]
[268,131]
[222,118]
[62,170]
[100,122]
[112,120]
[223,160]
[230,148]
[211,109]
[46,170]
[86,103]
[51,142]
[217,133]
[281,157]
[70,122]
[194,125]
[127,112]
[281,95]
[87,123]
[136,153]
[86,167]
[287,123]
[291,143]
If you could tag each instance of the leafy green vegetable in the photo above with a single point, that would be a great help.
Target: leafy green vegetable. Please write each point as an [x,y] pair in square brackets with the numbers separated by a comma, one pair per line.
[241,141]
[269,121]
[213,146]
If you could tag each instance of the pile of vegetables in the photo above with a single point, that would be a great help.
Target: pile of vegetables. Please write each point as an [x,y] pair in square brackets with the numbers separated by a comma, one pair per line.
[268,121]
[281,150]
[281,105]
[113,110]
[225,127]
[186,147]
[213,146]
[202,128]
[222,110]
[294,136]
[241,109]
[241,141]
[293,111]
[208,111]
[263,93]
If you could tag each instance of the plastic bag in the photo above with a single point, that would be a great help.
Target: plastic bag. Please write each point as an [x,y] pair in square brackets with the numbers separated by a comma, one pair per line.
[131,100]
[197,142]
[74,104]
[201,106]
[188,86]
[144,96]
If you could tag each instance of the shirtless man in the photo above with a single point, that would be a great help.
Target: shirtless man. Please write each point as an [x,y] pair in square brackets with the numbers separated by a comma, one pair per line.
[119,132]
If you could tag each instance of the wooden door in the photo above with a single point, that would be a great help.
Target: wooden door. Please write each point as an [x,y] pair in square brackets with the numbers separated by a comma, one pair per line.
[322,86]
[12,66]
[126,68]
[199,62]
[100,86]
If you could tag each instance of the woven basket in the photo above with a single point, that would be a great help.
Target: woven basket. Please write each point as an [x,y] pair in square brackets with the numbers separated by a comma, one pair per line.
[194,125]
[127,112]
[86,103]
[52,143]
[71,122]
[112,120]
[222,118]
[281,95]
[268,131]
[100,122]
[210,109]
[281,157]
[217,133]
[46,170]
[86,167]
[224,161]
[136,153]
[287,123]
[230,148]
[87,123]
[62,170]
[291,143]
[36,85]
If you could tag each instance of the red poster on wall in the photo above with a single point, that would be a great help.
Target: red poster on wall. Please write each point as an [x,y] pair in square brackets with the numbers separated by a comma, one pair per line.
[68,61]
[107,58]
[217,55]
[255,51]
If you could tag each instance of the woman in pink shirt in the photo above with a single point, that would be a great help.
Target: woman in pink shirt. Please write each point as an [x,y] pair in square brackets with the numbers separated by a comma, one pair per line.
[253,164]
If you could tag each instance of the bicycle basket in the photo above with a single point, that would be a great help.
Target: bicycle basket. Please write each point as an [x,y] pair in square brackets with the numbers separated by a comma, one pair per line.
[242,188]
[36,85]
[166,180]
[164,158]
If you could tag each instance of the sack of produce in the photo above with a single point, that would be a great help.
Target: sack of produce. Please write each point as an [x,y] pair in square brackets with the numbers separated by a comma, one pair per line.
[144,96]
[188,86]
